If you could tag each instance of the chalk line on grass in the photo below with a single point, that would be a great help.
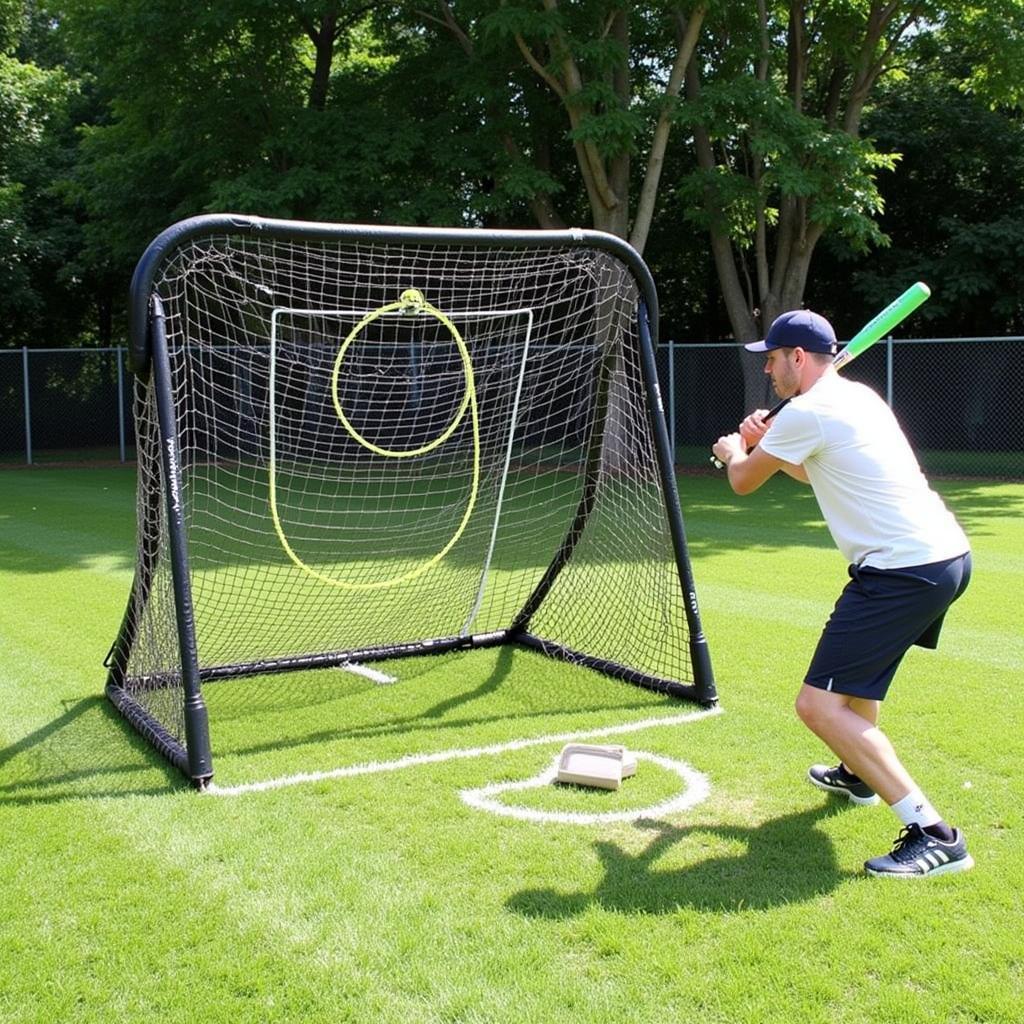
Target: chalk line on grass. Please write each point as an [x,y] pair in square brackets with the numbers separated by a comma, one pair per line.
[696,791]
[695,782]
[358,669]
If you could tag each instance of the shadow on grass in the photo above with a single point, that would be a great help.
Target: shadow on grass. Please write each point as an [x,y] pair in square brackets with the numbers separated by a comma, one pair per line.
[427,718]
[89,751]
[785,860]
[85,753]
[448,715]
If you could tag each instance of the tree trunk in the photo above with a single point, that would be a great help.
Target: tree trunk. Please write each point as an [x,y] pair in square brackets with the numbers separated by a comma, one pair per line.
[686,39]
[322,37]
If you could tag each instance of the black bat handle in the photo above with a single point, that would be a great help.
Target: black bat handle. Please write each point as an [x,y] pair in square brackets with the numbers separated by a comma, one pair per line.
[772,412]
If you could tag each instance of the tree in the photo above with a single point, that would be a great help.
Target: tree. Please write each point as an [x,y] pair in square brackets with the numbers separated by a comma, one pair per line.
[615,70]
[776,105]
[747,121]
[194,96]
[304,109]
[41,300]
[961,145]
[776,96]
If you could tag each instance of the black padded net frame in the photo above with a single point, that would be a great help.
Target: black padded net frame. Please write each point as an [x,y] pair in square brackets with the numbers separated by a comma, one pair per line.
[363,443]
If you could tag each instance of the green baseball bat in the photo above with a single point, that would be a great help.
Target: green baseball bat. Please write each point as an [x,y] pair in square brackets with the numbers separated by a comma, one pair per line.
[877,327]
[897,310]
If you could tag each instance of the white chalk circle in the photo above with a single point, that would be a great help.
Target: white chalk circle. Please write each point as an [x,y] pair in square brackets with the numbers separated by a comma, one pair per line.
[695,791]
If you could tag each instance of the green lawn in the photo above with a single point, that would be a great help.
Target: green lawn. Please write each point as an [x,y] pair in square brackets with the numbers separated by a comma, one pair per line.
[382,896]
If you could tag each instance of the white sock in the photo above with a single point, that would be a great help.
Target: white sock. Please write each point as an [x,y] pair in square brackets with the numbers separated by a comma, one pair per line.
[914,809]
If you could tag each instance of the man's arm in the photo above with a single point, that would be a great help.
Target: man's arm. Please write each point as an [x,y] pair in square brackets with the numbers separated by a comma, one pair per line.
[748,471]
[796,472]
[752,430]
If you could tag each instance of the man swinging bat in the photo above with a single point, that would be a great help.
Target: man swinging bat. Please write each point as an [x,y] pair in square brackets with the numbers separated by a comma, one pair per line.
[909,561]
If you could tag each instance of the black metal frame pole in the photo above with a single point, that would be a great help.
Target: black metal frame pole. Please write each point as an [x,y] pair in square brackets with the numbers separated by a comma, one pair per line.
[700,656]
[197,730]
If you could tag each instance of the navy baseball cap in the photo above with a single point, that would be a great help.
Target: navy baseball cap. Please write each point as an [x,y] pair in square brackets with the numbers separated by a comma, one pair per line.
[799,328]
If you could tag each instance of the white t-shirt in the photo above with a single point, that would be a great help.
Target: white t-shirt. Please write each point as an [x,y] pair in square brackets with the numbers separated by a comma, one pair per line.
[874,497]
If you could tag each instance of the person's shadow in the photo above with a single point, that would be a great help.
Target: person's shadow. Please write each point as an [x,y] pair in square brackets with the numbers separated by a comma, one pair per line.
[783,861]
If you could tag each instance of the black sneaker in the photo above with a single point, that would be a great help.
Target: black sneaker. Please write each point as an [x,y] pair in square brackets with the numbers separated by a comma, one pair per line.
[838,780]
[916,854]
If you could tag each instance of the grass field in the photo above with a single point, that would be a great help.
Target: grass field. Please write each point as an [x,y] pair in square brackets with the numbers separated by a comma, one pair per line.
[379,894]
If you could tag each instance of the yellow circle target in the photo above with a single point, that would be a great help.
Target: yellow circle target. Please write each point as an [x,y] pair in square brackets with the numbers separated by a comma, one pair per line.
[411,301]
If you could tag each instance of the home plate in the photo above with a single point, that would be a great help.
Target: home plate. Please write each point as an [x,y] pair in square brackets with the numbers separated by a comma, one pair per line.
[589,764]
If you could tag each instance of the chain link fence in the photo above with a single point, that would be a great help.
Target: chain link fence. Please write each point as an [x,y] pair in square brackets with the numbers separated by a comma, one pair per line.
[959,400]
[65,405]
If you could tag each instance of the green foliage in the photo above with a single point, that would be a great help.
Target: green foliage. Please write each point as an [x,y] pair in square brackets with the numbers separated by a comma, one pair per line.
[36,233]
[118,117]
[218,117]
[193,94]
[615,130]
[774,153]
[953,210]
[989,37]
[614,92]
[11,24]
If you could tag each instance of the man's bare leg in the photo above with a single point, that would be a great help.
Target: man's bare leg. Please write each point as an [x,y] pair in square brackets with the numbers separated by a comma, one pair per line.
[848,726]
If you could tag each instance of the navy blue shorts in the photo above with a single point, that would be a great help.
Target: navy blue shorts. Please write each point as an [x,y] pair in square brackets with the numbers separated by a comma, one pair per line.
[879,616]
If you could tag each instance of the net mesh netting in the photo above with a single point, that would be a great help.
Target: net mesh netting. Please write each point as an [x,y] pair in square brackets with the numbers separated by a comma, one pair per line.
[354,478]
